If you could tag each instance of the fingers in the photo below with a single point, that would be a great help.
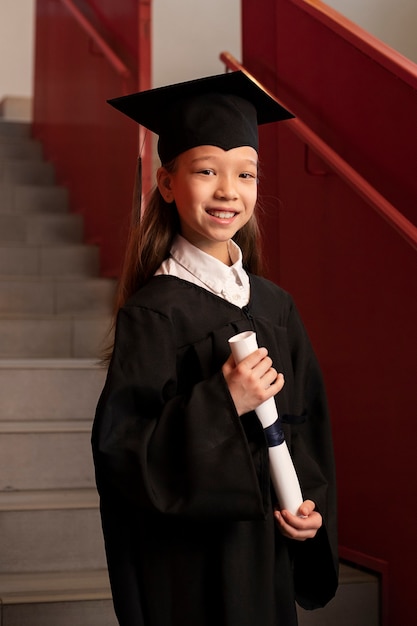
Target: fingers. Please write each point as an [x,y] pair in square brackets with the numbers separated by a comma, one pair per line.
[299,527]
[258,367]
[252,381]
[306,508]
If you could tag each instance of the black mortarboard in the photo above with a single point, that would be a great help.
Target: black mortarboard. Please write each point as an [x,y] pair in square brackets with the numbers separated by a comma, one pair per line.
[223,111]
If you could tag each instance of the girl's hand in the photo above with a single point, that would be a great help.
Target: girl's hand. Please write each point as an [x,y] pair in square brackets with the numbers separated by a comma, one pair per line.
[302,526]
[252,381]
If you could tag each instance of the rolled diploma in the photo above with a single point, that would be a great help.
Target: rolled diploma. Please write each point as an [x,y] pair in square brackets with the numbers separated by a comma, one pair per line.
[283,475]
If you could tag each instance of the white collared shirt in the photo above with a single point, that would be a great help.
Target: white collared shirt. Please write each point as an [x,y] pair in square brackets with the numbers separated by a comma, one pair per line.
[192,264]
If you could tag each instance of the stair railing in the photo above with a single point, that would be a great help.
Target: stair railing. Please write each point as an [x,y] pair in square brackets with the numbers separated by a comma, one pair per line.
[362,187]
[119,66]
[373,47]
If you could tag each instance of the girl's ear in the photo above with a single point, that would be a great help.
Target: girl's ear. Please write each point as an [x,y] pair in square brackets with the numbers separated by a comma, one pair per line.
[163,179]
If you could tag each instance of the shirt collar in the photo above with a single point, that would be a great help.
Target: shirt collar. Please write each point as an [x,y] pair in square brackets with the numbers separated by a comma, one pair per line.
[209,270]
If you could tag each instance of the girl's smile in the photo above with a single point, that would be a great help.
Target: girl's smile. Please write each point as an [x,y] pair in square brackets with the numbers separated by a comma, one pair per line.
[222,215]
[215,193]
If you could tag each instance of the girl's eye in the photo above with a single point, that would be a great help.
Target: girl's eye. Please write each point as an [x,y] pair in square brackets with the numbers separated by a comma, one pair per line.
[248,176]
[206,172]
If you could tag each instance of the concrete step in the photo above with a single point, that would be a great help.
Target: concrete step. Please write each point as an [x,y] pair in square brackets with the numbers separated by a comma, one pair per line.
[49,389]
[41,229]
[67,260]
[16,108]
[15,129]
[83,612]
[29,449]
[32,198]
[20,148]
[357,602]
[55,296]
[52,337]
[27,172]
[54,586]
[56,530]
[57,599]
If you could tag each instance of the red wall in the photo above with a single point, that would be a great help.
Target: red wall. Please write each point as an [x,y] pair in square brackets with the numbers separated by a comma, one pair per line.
[353,277]
[92,147]
[120,19]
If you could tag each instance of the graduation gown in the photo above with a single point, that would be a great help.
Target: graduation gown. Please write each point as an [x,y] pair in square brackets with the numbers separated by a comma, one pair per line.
[186,501]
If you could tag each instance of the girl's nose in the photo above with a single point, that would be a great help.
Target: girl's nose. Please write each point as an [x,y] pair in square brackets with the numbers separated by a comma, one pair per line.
[225,190]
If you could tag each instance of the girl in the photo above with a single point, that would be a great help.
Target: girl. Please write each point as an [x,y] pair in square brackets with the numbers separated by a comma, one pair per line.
[193,533]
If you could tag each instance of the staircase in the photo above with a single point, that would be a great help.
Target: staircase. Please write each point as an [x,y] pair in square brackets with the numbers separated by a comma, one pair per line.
[54,314]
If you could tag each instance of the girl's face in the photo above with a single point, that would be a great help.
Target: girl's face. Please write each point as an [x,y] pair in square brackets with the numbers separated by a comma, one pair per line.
[215,194]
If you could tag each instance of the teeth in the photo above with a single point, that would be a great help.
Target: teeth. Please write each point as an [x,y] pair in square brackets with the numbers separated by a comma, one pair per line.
[222,214]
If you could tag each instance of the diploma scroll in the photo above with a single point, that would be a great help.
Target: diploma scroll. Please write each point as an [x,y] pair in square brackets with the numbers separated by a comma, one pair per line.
[283,476]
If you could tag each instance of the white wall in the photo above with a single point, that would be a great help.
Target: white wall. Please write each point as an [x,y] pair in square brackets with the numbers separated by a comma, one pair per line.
[392,21]
[16,47]
[188,35]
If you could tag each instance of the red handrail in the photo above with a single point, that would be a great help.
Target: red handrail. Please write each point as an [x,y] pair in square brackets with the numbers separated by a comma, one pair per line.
[370,45]
[361,186]
[120,67]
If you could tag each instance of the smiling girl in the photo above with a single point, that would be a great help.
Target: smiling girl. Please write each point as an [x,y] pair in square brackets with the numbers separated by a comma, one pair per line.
[194,535]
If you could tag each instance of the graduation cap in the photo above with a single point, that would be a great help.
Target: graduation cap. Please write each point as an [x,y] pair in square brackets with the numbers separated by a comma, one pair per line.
[223,111]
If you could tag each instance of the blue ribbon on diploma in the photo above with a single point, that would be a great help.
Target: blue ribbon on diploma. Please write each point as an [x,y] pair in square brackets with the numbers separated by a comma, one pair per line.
[274,434]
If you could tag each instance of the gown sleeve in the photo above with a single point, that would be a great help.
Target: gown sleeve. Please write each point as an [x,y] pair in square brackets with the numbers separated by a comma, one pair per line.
[167,445]
[310,441]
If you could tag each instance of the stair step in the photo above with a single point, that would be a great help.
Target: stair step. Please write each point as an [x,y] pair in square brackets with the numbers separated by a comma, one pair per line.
[57,598]
[49,260]
[28,451]
[26,172]
[35,427]
[59,586]
[41,228]
[15,129]
[51,598]
[16,108]
[20,148]
[83,613]
[49,296]
[48,500]
[53,337]
[33,198]
[356,602]
[50,530]
[49,389]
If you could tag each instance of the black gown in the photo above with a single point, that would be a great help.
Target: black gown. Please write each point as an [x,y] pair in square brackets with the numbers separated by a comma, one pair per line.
[186,502]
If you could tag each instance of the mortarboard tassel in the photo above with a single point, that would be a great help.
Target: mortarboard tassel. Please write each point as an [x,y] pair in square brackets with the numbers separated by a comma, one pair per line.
[137,193]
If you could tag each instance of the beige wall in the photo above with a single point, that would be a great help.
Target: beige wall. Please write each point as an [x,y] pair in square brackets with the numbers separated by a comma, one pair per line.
[16,47]
[188,36]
